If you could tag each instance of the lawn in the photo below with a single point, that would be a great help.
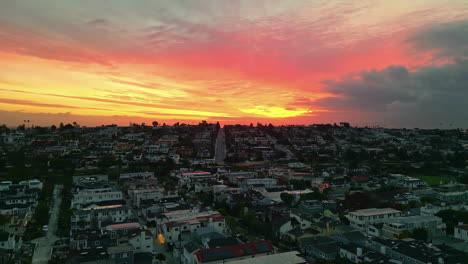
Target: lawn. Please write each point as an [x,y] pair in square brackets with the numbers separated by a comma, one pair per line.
[433,180]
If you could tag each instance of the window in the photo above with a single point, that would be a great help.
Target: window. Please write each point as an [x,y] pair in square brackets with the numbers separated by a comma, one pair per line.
[97,243]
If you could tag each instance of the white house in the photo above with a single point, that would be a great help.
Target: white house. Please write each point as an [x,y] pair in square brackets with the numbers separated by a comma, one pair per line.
[32,184]
[361,219]
[142,240]
[181,224]
[461,232]
[9,241]
[89,196]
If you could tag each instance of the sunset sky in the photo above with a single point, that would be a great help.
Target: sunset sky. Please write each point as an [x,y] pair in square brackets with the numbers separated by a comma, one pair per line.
[392,63]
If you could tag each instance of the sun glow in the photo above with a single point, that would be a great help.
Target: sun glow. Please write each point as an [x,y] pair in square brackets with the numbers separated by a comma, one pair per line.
[274,111]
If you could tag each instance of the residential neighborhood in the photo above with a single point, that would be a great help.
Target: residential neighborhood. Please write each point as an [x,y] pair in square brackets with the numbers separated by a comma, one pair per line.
[325,193]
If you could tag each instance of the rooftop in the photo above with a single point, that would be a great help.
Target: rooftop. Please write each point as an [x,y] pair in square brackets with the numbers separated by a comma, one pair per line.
[375,211]
[291,257]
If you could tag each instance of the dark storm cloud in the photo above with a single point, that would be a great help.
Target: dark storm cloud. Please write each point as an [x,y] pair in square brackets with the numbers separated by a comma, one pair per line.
[447,40]
[426,97]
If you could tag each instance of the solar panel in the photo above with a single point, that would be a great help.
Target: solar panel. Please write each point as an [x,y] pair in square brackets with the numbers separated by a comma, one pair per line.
[218,254]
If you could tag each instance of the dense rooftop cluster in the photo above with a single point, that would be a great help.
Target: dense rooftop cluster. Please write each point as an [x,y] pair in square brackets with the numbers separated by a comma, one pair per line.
[240,194]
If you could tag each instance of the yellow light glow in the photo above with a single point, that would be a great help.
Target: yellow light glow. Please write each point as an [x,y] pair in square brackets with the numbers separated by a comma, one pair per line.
[273,111]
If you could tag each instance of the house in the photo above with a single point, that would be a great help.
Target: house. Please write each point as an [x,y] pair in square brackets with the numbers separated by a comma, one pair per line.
[294,222]
[32,184]
[361,219]
[9,241]
[137,175]
[180,225]
[290,257]
[19,199]
[141,240]
[90,179]
[396,228]
[140,193]
[16,138]
[96,217]
[410,251]
[121,254]
[89,240]
[188,252]
[231,253]
[355,237]
[406,181]
[320,247]
[461,232]
[89,196]
[359,254]
[237,177]
[457,196]
[267,182]
[434,208]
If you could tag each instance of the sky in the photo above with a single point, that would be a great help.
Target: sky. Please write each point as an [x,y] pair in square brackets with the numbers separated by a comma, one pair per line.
[392,63]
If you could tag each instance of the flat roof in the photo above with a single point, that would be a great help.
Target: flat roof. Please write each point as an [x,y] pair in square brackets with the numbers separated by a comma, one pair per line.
[290,257]
[374,211]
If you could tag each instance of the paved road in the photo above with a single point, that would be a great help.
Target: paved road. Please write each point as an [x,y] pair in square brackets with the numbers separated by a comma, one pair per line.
[44,245]
[220,148]
[280,147]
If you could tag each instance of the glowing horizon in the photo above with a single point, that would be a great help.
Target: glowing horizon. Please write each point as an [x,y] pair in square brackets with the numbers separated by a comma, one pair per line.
[280,62]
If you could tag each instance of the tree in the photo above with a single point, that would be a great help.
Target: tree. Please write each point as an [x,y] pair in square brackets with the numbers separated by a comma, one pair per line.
[42,213]
[313,196]
[155,123]
[161,257]
[287,198]
[3,129]
[452,218]
[464,179]
[299,184]
[344,219]
[428,199]
[420,234]
[3,220]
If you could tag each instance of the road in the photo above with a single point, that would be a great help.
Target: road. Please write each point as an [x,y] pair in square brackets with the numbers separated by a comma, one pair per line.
[44,245]
[220,148]
[280,147]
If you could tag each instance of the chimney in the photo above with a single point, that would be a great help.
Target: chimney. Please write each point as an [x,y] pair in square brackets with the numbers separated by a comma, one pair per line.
[359,251]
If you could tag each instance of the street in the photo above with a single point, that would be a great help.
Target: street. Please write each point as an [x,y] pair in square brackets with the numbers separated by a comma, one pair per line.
[220,148]
[44,245]
[280,147]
